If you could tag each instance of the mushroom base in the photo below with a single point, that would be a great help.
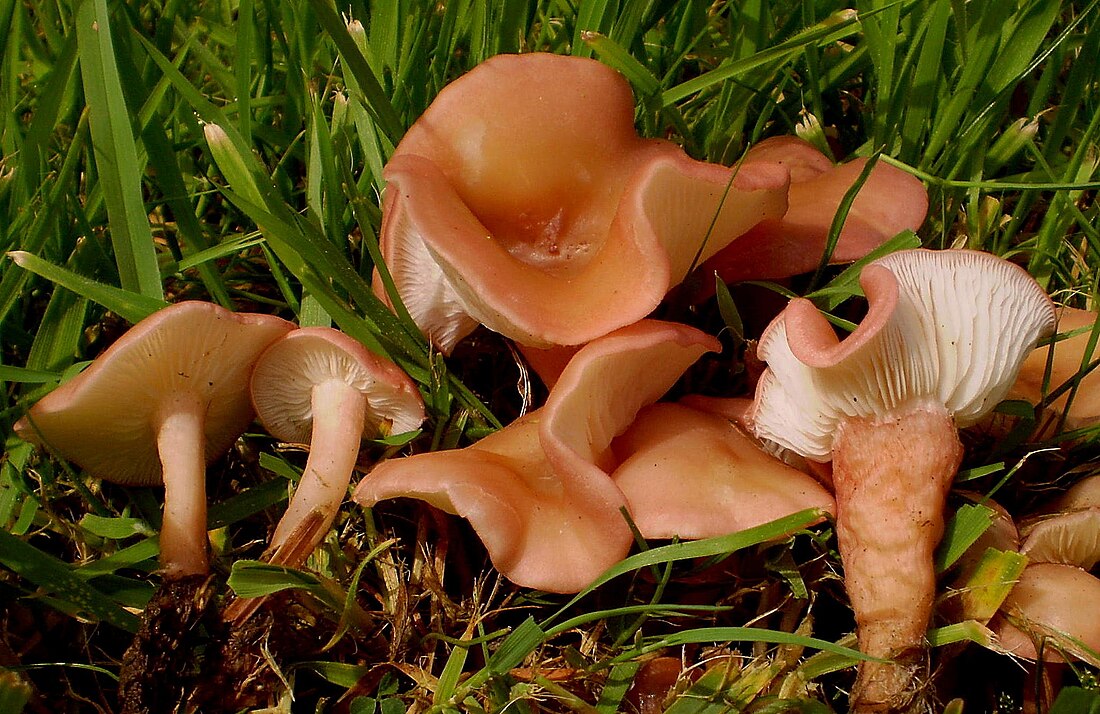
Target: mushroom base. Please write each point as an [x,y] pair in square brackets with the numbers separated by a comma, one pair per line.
[892,477]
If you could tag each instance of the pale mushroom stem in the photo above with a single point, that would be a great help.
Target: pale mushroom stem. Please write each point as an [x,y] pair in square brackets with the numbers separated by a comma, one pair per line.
[339,413]
[892,477]
[181,446]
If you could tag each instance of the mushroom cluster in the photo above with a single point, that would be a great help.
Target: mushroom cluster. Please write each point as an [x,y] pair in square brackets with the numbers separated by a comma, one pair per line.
[1045,615]
[176,390]
[166,399]
[523,200]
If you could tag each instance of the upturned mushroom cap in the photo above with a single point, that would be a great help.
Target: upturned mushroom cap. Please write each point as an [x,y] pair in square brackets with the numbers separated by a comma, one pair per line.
[287,372]
[1068,531]
[889,202]
[1068,359]
[945,328]
[537,492]
[691,474]
[524,200]
[1051,602]
[106,418]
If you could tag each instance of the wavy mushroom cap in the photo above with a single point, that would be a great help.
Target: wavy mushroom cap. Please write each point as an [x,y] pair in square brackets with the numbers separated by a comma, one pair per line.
[288,370]
[523,199]
[691,474]
[889,202]
[537,492]
[106,418]
[946,329]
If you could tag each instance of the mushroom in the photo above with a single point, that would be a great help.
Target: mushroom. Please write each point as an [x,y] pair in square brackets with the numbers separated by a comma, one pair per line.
[689,474]
[523,199]
[943,338]
[1068,359]
[537,492]
[888,202]
[1069,532]
[736,410]
[1049,616]
[162,402]
[1052,611]
[320,387]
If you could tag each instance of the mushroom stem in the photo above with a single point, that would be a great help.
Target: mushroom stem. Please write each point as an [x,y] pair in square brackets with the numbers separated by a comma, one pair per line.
[181,446]
[339,412]
[892,476]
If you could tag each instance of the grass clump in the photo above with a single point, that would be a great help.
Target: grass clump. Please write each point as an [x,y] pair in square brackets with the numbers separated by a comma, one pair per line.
[232,152]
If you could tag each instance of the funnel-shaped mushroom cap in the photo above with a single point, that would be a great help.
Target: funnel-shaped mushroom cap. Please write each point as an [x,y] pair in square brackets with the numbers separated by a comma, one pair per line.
[1055,603]
[537,492]
[889,202]
[690,474]
[106,418]
[946,329]
[1068,359]
[287,372]
[524,199]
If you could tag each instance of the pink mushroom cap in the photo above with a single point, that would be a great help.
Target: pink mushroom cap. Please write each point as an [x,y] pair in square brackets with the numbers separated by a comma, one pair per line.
[1055,603]
[690,474]
[523,199]
[1068,530]
[537,492]
[167,398]
[889,202]
[1068,359]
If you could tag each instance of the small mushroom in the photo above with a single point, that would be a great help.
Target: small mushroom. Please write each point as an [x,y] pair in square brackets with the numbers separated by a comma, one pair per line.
[537,492]
[318,386]
[162,402]
[943,338]
[690,474]
[1052,610]
[889,202]
[524,200]
[1069,532]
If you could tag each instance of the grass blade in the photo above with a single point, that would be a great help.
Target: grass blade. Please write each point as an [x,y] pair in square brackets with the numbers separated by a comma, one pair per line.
[115,152]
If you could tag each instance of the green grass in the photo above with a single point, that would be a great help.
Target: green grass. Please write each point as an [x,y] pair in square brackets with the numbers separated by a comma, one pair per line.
[232,152]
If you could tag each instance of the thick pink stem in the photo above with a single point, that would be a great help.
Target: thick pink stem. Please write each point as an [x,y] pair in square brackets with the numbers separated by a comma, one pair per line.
[892,477]
[339,411]
[181,446]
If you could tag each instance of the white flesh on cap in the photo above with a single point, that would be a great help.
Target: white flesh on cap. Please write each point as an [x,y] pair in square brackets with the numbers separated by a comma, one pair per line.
[322,387]
[944,336]
[962,325]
